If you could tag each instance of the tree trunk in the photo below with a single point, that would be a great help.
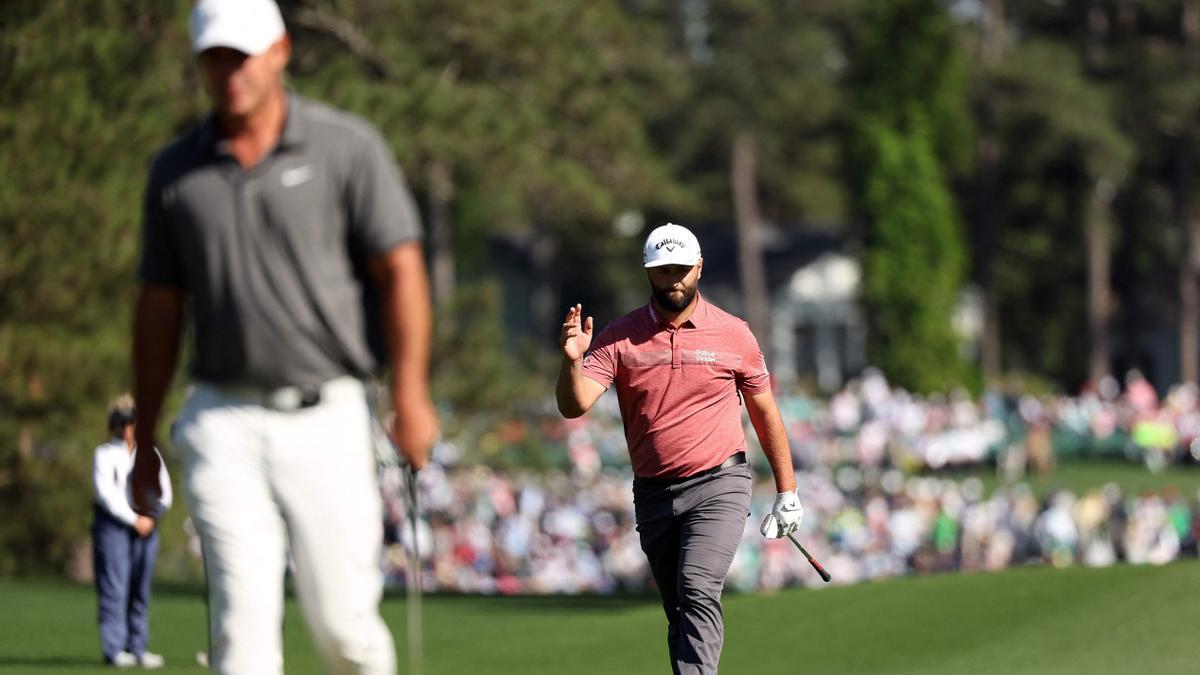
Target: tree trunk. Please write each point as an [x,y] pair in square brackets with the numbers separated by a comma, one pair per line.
[441,232]
[1097,29]
[1189,230]
[25,443]
[1189,268]
[1099,264]
[753,275]
[544,300]
[1097,227]
[987,230]
[992,43]
[987,158]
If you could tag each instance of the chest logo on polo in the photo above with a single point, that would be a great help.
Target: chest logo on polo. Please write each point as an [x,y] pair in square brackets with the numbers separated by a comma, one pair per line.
[293,177]
[711,358]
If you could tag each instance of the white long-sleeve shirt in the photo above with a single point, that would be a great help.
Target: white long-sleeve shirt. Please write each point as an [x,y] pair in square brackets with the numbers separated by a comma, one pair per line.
[110,479]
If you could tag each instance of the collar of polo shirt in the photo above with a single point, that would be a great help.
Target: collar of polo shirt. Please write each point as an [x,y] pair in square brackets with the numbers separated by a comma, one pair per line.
[699,314]
[293,127]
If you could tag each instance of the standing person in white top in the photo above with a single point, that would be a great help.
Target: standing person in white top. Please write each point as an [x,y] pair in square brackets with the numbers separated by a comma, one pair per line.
[126,545]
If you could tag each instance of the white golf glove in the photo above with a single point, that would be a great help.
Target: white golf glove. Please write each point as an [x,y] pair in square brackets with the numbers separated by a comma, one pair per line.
[785,516]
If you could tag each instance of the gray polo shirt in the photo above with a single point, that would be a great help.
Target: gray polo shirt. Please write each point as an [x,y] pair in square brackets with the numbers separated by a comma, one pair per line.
[273,258]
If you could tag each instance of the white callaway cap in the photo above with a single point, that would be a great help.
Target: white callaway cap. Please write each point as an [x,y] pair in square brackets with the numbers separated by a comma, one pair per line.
[671,244]
[249,26]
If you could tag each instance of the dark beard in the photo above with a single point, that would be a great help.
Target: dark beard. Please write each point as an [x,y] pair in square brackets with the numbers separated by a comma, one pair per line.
[664,299]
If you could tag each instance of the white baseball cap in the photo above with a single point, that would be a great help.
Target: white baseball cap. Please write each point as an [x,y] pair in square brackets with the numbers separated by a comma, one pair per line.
[671,244]
[249,26]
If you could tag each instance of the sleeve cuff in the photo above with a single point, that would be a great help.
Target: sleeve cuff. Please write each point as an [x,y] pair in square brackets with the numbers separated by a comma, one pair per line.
[600,380]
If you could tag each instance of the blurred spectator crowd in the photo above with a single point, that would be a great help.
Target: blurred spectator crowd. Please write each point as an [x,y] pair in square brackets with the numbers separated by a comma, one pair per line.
[873,424]
[872,470]
[483,531]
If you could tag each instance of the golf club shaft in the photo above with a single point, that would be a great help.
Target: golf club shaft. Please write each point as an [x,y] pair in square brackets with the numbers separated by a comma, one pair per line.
[811,560]
[415,637]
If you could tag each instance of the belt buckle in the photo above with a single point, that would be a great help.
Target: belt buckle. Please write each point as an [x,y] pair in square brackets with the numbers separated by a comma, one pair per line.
[293,398]
[309,396]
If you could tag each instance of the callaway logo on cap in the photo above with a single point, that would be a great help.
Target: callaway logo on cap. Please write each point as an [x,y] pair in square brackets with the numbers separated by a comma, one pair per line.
[671,244]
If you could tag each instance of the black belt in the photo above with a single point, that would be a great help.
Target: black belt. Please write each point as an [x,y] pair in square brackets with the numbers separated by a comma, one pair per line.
[733,460]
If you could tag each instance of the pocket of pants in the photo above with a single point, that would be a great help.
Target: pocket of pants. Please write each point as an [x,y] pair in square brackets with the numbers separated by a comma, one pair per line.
[651,505]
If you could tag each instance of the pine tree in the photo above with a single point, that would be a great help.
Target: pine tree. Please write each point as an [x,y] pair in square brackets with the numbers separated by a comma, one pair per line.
[909,129]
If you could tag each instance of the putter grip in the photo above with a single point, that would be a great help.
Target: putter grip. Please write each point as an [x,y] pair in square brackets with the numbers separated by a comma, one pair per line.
[820,570]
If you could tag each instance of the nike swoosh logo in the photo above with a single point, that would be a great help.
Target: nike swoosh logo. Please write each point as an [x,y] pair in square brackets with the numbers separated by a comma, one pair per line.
[296,176]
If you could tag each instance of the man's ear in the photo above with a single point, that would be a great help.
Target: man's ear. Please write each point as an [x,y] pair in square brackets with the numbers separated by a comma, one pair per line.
[281,52]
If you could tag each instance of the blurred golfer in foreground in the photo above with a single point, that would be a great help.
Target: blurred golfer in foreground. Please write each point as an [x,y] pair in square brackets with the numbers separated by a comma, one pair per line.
[271,222]
[681,366]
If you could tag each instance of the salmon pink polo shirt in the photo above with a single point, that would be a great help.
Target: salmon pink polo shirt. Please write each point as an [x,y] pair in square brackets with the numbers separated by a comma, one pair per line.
[678,387]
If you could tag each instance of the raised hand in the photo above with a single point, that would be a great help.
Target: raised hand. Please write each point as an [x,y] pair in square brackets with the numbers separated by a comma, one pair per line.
[576,334]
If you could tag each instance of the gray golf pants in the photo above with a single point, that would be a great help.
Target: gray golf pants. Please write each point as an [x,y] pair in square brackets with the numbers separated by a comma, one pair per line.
[689,531]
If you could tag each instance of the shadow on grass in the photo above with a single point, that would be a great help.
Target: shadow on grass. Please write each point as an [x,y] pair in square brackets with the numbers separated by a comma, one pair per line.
[586,602]
[187,589]
[27,663]
[571,603]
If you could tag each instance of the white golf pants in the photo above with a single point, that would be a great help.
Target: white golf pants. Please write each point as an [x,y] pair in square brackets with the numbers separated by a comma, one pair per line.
[260,480]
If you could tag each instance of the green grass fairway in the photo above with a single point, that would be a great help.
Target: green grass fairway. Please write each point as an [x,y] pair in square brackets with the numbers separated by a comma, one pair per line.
[1079,477]
[1036,620]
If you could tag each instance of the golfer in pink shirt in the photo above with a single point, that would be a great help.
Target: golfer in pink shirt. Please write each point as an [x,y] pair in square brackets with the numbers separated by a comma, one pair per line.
[682,367]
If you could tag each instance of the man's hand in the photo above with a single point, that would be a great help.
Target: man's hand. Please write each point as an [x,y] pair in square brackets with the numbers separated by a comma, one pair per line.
[415,429]
[573,392]
[576,334]
[785,516]
[144,492]
[144,526]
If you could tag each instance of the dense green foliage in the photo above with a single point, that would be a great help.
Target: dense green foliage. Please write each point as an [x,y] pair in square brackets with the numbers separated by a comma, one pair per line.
[1034,621]
[563,129]
[1058,137]
[88,95]
[913,264]
[907,84]
[770,69]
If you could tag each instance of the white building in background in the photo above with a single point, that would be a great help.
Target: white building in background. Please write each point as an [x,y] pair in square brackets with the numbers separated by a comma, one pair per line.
[818,329]
[819,325]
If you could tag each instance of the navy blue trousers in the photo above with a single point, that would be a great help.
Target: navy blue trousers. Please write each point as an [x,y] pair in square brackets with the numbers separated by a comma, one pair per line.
[124,566]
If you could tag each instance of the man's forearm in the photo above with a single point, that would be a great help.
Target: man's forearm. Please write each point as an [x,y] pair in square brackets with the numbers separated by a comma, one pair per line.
[568,390]
[399,276]
[408,323]
[779,456]
[772,436]
[157,328]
